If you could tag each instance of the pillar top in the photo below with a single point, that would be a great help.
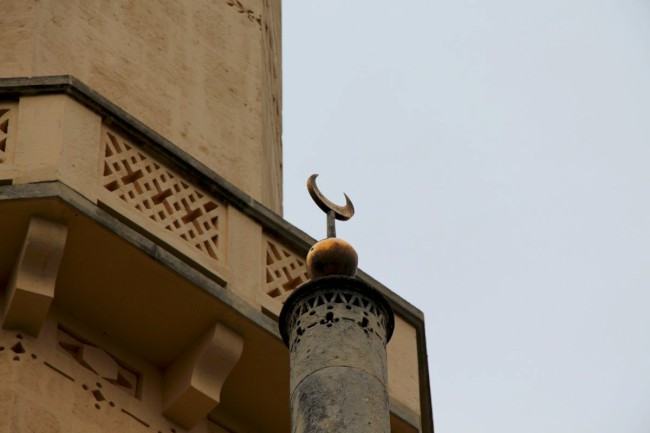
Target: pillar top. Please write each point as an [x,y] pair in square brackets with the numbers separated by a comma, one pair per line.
[334,289]
[331,256]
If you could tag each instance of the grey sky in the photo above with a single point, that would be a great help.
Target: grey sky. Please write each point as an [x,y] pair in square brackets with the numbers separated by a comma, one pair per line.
[498,156]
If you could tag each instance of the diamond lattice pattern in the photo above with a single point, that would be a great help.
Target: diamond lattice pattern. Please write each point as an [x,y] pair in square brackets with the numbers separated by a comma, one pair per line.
[284,271]
[5,114]
[162,196]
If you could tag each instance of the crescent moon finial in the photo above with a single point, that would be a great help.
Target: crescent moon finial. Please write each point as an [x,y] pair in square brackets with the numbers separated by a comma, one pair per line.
[341,213]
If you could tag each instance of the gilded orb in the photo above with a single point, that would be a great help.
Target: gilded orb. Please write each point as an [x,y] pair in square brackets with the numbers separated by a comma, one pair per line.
[332,256]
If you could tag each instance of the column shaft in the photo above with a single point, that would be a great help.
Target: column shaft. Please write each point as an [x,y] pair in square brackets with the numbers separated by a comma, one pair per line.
[336,329]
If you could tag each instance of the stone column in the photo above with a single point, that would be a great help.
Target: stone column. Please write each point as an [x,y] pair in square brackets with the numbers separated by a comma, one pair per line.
[336,328]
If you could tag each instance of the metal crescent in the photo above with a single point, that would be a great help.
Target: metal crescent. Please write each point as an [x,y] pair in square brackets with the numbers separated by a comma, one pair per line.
[341,213]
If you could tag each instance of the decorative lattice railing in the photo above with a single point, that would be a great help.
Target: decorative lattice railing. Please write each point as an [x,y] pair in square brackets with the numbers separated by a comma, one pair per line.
[155,192]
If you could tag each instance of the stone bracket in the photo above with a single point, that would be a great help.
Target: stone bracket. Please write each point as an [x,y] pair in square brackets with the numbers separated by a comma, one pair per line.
[192,383]
[31,286]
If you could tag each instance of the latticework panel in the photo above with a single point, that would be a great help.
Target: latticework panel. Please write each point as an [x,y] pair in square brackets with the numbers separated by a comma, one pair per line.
[284,271]
[162,196]
[5,124]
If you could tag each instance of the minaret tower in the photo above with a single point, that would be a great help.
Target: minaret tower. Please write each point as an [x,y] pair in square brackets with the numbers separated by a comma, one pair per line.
[144,260]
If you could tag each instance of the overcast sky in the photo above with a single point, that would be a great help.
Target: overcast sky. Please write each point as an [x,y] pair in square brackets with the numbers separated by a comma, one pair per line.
[498,155]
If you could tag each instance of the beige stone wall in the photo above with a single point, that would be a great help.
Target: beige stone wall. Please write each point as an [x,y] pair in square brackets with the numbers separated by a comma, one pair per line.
[204,74]
[402,351]
[272,103]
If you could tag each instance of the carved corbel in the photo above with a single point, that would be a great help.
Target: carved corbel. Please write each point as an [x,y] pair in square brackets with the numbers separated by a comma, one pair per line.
[31,287]
[193,382]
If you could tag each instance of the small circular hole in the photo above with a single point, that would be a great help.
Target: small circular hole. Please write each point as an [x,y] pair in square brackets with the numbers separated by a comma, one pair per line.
[97,405]
[111,404]
[84,386]
[99,385]
[34,356]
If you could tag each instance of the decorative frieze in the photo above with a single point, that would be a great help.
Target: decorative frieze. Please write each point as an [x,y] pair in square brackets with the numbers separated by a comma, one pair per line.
[99,362]
[284,271]
[328,308]
[157,193]
[84,387]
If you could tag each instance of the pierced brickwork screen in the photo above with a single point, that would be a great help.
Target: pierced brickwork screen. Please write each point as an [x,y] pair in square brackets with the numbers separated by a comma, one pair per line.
[157,193]
[5,123]
[285,271]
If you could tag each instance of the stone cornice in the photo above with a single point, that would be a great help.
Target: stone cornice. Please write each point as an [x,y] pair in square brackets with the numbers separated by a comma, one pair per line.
[59,191]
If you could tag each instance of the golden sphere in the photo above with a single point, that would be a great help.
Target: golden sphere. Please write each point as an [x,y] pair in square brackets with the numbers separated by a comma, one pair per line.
[332,256]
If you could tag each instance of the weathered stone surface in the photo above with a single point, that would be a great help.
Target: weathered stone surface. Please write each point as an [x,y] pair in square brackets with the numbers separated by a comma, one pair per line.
[340,399]
[340,340]
[337,330]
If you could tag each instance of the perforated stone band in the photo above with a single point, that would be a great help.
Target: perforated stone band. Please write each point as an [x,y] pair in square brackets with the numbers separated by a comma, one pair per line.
[327,300]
